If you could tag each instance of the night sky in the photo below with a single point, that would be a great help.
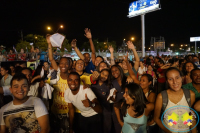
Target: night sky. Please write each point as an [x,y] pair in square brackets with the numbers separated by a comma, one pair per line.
[177,21]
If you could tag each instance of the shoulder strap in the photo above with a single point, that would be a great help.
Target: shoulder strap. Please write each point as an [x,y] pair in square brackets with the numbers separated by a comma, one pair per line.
[187,96]
[164,100]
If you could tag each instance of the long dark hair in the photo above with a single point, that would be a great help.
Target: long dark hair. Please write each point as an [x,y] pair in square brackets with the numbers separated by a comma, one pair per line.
[184,67]
[150,79]
[104,63]
[107,82]
[140,101]
[6,68]
[123,77]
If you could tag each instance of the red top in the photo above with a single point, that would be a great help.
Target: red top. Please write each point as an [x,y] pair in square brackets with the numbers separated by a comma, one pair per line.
[161,75]
[11,57]
[23,57]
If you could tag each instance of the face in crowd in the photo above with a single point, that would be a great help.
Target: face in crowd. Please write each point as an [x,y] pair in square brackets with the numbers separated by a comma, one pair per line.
[150,68]
[144,82]
[3,71]
[28,75]
[64,65]
[195,75]
[104,75]
[19,89]
[174,79]
[97,61]
[73,82]
[87,57]
[189,67]
[12,69]
[46,65]
[129,100]
[22,51]
[115,72]
[79,65]
[102,66]
[124,66]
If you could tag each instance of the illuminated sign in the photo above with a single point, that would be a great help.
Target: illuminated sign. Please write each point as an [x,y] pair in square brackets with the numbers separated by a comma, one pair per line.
[194,39]
[142,6]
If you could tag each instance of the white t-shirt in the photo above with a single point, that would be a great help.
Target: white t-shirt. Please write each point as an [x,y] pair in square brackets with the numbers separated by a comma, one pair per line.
[23,118]
[76,100]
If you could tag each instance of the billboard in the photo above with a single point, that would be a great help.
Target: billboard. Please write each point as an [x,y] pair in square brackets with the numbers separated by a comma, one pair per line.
[140,7]
[159,45]
[194,39]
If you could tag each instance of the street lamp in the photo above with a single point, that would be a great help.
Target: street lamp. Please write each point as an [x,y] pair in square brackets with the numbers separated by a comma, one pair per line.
[124,39]
[36,37]
[61,26]
[132,38]
[48,28]
[181,45]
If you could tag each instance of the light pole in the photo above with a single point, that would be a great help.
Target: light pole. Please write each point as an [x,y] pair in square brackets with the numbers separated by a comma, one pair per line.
[49,28]
[61,26]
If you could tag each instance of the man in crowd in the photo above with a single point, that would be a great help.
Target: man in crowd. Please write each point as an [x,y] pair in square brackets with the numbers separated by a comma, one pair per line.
[84,100]
[24,113]
[195,85]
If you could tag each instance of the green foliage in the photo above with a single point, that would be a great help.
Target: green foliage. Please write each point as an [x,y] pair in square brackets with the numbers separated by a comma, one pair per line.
[99,45]
[38,41]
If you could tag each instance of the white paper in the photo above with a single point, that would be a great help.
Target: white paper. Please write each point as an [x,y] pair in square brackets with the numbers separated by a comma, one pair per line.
[111,94]
[57,40]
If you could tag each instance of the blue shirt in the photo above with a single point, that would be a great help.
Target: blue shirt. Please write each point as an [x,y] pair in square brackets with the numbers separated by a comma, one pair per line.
[42,55]
[89,67]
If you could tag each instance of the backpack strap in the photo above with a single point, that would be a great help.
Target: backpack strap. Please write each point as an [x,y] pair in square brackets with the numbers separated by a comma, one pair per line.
[164,100]
[187,96]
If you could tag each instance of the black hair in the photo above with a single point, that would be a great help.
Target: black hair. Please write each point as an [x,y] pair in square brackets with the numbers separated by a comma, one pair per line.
[123,77]
[46,62]
[173,68]
[100,57]
[107,82]
[150,79]
[12,50]
[81,60]
[86,53]
[184,67]
[6,68]
[18,77]
[193,71]
[161,61]
[65,58]
[18,69]
[70,62]
[174,60]
[140,101]
[75,73]
[54,50]
[100,63]
[132,63]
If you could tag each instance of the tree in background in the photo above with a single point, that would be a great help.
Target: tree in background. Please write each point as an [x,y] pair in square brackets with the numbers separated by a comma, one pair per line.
[99,45]
[40,42]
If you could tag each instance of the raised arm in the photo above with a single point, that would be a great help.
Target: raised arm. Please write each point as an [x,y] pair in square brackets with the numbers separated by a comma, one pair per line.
[111,49]
[73,45]
[137,59]
[130,71]
[53,62]
[89,36]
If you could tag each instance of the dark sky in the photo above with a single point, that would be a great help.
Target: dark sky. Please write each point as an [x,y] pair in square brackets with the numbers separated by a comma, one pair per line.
[177,21]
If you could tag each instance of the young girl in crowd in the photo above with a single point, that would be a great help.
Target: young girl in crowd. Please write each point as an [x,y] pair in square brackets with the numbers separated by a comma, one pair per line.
[102,89]
[22,55]
[11,56]
[12,68]
[135,110]
[175,96]
[5,72]
[146,83]
[142,70]
[102,65]
[187,68]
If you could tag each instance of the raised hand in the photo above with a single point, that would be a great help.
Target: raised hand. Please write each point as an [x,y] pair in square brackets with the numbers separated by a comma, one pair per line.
[48,38]
[126,57]
[130,45]
[111,49]
[95,75]
[73,43]
[86,102]
[88,33]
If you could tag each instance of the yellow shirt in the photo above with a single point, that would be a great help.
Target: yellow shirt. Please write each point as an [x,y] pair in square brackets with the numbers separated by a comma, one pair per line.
[59,105]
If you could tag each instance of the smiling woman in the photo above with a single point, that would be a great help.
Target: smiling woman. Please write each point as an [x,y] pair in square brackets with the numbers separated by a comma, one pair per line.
[174,96]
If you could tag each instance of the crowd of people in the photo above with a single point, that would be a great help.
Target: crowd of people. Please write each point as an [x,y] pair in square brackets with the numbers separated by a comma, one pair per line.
[91,95]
